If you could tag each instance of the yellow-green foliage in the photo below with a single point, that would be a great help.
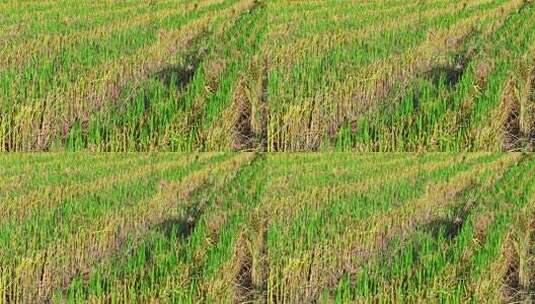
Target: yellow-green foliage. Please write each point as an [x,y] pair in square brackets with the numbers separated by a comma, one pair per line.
[276,228]
[267,75]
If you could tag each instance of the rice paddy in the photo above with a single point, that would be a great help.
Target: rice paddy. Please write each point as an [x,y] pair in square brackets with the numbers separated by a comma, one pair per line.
[267,75]
[267,228]
[194,97]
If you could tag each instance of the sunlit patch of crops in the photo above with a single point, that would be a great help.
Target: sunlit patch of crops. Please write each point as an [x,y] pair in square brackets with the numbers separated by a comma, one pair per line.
[223,83]
[261,227]
[335,91]
[275,75]
[466,109]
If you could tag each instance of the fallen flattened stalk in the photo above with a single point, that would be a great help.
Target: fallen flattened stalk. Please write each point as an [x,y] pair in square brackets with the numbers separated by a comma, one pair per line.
[250,264]
[519,278]
[208,116]
[250,108]
[324,267]
[235,120]
[251,284]
[238,275]
[517,107]
[80,252]
[230,125]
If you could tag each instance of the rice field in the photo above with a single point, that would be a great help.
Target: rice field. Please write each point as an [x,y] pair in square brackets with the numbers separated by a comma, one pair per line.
[195,96]
[267,75]
[267,228]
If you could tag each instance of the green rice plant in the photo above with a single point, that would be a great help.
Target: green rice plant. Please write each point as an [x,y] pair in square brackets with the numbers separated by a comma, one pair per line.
[407,37]
[333,227]
[272,75]
[436,116]
[425,266]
